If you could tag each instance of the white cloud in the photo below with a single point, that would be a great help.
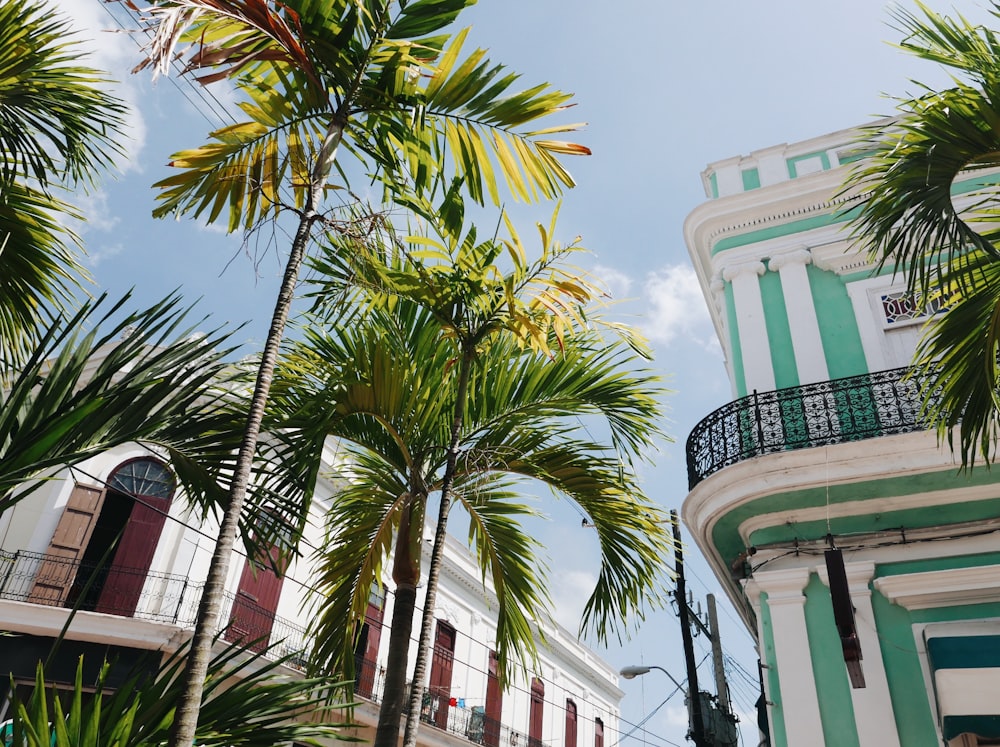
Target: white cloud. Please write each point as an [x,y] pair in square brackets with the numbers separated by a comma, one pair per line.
[96,212]
[570,590]
[675,307]
[115,52]
[616,283]
[104,252]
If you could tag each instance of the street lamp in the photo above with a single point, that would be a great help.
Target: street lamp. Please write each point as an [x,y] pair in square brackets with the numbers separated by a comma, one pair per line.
[634,671]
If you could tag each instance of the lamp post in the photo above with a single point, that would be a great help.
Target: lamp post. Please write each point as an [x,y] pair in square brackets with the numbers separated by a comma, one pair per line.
[636,670]
[630,673]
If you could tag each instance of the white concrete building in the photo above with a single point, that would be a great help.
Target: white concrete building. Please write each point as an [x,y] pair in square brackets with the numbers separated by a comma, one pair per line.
[823,446]
[145,592]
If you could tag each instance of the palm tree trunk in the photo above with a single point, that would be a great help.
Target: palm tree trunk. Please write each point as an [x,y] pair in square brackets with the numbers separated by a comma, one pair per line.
[437,552]
[209,608]
[405,575]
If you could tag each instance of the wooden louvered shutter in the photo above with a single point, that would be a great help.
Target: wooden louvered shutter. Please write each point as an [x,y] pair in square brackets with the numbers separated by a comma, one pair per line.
[58,571]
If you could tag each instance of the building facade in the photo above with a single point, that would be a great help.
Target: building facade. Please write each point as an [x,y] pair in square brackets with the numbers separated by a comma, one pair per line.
[141,595]
[866,565]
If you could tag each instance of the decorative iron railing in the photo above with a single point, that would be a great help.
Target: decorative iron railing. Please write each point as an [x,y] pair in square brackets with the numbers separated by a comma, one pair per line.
[800,417]
[61,582]
[131,592]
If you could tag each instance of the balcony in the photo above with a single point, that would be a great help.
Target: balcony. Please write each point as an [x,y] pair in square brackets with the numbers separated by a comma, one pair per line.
[53,581]
[828,412]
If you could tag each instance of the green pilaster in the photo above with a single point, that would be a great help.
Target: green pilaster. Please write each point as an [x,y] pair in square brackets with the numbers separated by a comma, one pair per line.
[751,179]
[910,704]
[739,376]
[779,333]
[838,327]
[836,710]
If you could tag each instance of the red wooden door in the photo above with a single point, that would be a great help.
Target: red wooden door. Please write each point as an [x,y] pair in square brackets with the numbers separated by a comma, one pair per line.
[130,565]
[57,572]
[570,739]
[366,651]
[494,704]
[536,712]
[598,733]
[256,602]
[441,667]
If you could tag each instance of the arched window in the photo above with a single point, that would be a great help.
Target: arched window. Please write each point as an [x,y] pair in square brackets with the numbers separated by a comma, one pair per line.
[598,732]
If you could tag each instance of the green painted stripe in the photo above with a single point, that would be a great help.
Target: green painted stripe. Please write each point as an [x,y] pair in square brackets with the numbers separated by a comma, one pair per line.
[911,706]
[836,710]
[938,564]
[727,541]
[964,652]
[779,737]
[826,219]
[779,333]
[982,726]
[910,518]
[713,183]
[838,326]
[739,375]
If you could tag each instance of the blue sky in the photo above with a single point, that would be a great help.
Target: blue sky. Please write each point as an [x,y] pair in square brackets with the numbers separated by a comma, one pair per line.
[665,88]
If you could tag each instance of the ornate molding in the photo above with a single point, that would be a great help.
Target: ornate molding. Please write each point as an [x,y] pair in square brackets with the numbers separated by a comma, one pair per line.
[947,588]
[789,259]
[732,271]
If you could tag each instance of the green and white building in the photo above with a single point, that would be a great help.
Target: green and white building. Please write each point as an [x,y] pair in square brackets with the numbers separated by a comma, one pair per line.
[822,447]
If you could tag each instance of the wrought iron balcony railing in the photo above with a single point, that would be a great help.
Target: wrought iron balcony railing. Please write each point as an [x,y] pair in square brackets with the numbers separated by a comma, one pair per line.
[800,417]
[130,592]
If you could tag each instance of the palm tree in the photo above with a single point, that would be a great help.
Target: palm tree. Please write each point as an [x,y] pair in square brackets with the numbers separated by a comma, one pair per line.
[376,78]
[924,216]
[58,132]
[455,378]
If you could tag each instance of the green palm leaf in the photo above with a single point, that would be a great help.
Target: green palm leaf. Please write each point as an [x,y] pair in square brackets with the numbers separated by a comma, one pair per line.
[56,121]
[928,210]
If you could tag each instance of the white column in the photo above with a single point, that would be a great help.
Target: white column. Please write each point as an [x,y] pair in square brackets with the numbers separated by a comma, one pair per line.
[810,360]
[872,705]
[799,700]
[752,591]
[754,346]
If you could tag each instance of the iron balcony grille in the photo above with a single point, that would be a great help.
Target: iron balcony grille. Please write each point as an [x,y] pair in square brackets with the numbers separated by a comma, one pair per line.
[800,417]
[53,581]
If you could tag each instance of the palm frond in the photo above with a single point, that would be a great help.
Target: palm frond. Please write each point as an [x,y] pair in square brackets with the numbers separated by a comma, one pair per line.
[56,121]
[155,383]
[248,702]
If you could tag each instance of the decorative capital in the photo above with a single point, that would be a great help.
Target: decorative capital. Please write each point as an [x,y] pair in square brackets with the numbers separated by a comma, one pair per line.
[789,259]
[733,271]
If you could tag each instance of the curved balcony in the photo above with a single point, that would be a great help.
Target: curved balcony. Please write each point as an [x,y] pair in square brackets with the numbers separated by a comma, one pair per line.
[800,417]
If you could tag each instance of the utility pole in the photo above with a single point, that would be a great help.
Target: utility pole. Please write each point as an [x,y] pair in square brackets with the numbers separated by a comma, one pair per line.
[694,694]
[721,688]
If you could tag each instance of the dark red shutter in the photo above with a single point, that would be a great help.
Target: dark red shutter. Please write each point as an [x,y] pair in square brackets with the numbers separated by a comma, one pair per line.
[598,733]
[494,704]
[536,713]
[366,657]
[256,602]
[570,740]
[441,667]
[134,556]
